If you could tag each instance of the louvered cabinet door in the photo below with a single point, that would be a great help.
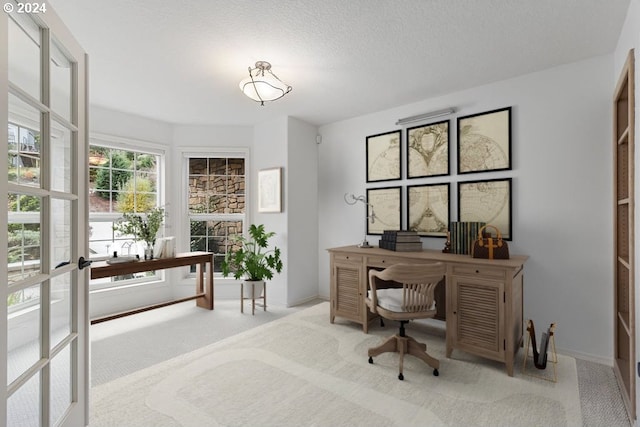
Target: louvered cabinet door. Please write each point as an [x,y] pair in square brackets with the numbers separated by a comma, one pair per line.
[347,299]
[477,319]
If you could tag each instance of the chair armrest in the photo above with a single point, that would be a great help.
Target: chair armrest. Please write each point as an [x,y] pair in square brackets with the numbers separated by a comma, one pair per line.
[372,301]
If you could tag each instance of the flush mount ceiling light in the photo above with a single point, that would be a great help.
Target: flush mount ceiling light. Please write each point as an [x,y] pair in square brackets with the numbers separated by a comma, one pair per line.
[262,85]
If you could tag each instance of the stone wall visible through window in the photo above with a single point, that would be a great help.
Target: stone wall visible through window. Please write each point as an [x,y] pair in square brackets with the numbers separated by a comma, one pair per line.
[217,200]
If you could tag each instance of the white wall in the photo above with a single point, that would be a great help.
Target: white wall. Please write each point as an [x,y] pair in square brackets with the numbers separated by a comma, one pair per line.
[176,139]
[562,167]
[285,142]
[302,203]
[270,151]
[561,189]
[200,139]
[119,124]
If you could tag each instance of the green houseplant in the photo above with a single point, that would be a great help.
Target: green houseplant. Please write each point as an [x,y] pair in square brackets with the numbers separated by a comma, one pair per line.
[251,260]
[144,229]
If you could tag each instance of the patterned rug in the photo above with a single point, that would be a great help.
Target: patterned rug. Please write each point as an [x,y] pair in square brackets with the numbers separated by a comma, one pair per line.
[301,370]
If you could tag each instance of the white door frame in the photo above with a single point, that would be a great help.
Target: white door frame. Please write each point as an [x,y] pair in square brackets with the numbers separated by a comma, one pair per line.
[77,340]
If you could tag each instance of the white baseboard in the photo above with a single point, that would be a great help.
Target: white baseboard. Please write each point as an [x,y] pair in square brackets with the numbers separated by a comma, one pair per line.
[306,300]
[586,356]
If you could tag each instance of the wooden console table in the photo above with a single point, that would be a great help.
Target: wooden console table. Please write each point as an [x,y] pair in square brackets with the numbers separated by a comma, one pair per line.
[204,291]
[483,297]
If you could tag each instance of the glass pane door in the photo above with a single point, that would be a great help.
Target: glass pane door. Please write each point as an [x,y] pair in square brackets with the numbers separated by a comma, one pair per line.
[45,316]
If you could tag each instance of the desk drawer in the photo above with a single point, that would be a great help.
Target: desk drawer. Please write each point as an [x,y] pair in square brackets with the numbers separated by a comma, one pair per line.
[385,261]
[347,258]
[479,271]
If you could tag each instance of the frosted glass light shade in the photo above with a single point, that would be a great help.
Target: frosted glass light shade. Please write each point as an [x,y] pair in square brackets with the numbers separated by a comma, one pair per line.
[262,85]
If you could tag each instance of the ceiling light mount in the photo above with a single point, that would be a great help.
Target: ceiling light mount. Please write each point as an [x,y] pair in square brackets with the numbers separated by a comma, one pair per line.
[263,66]
[262,85]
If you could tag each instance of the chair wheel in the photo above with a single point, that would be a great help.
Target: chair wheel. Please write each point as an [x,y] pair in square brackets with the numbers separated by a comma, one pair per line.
[400,377]
[371,360]
[435,373]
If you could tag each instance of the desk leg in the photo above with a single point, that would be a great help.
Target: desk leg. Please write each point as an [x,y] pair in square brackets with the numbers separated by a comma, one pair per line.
[509,363]
[207,300]
[210,282]
[449,316]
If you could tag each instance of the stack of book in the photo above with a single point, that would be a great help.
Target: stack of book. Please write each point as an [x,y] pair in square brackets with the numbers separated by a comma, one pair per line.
[400,241]
[463,234]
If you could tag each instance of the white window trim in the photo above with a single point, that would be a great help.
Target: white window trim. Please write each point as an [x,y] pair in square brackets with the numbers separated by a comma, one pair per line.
[118,142]
[190,152]
[137,145]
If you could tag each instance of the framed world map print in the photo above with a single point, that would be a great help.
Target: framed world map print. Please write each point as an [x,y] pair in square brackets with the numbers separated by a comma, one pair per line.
[484,141]
[428,209]
[428,150]
[383,156]
[486,201]
[385,213]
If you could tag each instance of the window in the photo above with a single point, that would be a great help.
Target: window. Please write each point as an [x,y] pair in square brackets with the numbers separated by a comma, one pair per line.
[24,155]
[216,203]
[23,229]
[120,180]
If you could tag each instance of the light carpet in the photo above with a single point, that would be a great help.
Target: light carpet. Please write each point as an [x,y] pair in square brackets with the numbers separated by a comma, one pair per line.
[301,370]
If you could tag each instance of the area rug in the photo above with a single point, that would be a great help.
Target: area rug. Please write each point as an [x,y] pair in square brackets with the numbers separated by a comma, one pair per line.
[301,370]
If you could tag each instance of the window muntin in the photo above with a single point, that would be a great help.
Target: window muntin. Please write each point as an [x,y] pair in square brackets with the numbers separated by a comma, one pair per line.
[23,239]
[216,203]
[120,180]
[214,236]
[24,234]
[23,162]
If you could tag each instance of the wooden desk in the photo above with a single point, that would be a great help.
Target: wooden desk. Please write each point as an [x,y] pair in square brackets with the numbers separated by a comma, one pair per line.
[483,297]
[204,291]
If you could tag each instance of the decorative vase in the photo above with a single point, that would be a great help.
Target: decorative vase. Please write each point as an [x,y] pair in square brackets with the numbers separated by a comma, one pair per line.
[256,285]
[148,251]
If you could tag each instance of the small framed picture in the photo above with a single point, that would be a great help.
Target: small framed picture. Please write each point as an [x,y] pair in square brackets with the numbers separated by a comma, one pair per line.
[484,141]
[270,190]
[428,150]
[384,210]
[487,201]
[383,156]
[428,209]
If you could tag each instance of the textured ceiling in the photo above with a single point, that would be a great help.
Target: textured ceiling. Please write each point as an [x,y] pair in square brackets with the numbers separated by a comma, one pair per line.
[180,61]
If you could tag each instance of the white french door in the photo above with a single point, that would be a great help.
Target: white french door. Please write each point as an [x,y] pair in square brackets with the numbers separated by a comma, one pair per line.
[44,318]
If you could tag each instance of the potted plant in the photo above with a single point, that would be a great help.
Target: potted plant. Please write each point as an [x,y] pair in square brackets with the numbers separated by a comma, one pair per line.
[251,260]
[140,228]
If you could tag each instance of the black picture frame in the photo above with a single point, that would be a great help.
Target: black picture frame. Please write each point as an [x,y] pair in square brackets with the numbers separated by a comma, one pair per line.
[487,201]
[425,215]
[385,209]
[428,150]
[484,141]
[383,156]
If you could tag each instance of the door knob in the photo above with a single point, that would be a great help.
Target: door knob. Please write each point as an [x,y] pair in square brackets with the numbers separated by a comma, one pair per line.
[82,263]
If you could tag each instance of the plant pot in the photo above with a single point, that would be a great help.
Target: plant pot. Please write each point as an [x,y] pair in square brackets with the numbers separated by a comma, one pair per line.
[256,285]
